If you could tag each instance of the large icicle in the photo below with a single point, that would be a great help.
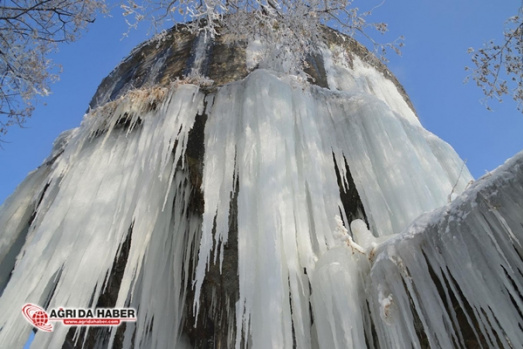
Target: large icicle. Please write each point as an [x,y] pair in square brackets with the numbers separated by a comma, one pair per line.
[338,300]
[109,182]
[455,271]
[277,140]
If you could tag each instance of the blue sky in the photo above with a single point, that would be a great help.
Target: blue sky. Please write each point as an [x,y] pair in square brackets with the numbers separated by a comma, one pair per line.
[431,69]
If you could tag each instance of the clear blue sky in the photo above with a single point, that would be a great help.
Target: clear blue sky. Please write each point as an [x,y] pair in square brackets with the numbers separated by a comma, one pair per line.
[438,33]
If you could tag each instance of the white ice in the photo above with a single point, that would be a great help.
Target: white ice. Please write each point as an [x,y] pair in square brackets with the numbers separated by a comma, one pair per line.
[275,143]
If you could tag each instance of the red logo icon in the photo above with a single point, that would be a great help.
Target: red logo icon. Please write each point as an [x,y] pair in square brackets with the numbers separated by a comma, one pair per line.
[37,317]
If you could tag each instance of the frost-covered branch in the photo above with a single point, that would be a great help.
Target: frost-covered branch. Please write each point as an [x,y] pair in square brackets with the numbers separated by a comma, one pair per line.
[498,68]
[294,29]
[29,32]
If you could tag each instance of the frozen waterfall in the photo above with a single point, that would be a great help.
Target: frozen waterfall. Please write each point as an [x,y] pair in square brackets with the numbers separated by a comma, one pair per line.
[163,189]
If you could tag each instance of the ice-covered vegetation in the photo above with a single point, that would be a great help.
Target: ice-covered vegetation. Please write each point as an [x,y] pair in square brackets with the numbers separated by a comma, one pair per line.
[294,29]
[29,32]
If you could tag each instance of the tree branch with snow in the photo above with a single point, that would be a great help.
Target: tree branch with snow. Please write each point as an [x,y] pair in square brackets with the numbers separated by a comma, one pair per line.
[29,32]
[294,29]
[498,68]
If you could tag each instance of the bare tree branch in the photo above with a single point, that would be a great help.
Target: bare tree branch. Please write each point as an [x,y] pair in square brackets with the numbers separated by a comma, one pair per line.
[498,69]
[29,32]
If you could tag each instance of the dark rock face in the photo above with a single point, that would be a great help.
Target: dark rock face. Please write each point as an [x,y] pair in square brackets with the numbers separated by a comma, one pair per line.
[136,70]
[160,61]
[220,290]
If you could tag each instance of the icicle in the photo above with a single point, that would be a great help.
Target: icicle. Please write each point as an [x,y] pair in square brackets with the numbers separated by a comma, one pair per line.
[15,213]
[338,299]
[277,140]
[106,183]
[457,269]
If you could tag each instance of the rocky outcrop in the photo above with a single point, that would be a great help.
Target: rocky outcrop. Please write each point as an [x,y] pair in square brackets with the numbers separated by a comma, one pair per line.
[170,56]
[158,63]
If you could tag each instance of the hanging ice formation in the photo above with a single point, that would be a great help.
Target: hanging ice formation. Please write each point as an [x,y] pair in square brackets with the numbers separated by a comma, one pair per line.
[222,213]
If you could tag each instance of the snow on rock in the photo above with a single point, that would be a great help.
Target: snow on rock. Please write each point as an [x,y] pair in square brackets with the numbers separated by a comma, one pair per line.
[457,270]
[362,235]
[255,53]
